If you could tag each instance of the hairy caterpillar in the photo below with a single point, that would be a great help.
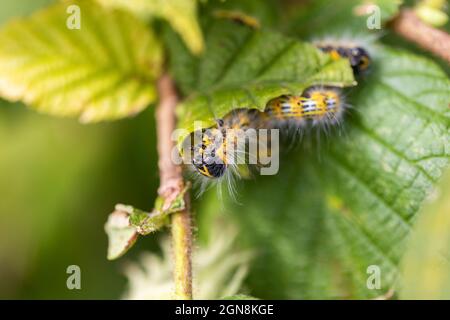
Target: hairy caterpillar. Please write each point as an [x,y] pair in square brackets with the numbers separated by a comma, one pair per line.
[217,148]
[359,58]
[322,106]
[317,105]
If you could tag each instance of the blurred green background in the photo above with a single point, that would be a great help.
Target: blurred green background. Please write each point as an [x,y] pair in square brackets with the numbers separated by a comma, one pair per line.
[59,180]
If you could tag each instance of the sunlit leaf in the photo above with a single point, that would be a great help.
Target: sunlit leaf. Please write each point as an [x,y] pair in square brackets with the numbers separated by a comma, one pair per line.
[181,15]
[432,12]
[105,70]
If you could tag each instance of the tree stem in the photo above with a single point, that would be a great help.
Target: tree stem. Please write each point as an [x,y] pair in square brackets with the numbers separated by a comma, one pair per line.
[182,244]
[171,184]
[410,27]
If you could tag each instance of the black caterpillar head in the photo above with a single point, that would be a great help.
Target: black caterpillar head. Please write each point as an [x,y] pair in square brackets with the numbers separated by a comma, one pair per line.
[359,60]
[208,156]
[358,57]
[210,170]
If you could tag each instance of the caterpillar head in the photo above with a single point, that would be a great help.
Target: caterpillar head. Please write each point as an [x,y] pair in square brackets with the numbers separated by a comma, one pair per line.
[359,60]
[208,156]
[210,170]
[358,57]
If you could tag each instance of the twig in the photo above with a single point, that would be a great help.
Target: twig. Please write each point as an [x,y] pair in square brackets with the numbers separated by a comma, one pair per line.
[171,184]
[409,26]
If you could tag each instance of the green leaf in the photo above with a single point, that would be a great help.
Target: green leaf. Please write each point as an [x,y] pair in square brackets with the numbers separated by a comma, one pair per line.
[181,15]
[333,211]
[146,223]
[426,265]
[104,71]
[432,12]
[245,68]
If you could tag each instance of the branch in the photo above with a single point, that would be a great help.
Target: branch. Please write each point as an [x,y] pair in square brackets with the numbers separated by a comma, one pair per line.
[410,27]
[171,184]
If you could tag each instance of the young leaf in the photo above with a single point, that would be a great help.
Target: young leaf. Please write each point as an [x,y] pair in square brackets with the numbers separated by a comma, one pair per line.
[105,70]
[322,223]
[146,223]
[181,15]
[126,223]
[245,68]
[121,235]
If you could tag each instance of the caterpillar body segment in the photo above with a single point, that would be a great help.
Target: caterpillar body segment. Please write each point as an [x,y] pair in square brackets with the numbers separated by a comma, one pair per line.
[317,105]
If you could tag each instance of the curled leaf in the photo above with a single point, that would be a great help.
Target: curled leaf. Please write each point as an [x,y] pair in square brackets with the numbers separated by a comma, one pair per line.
[146,223]
[121,235]
[126,223]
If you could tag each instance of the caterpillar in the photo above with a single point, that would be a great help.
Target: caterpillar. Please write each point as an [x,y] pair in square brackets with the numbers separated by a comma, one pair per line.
[316,106]
[217,148]
[359,58]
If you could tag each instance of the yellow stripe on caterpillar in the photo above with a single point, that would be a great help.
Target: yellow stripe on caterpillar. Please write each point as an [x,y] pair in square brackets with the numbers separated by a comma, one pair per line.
[316,103]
